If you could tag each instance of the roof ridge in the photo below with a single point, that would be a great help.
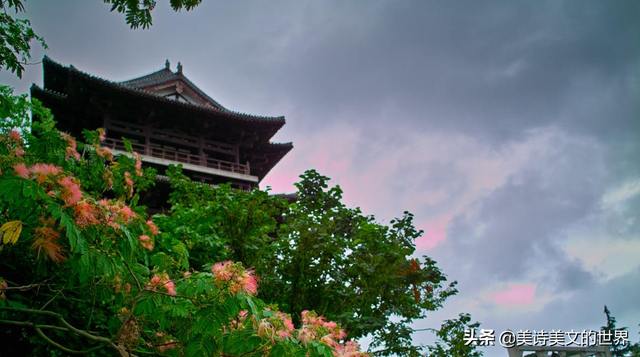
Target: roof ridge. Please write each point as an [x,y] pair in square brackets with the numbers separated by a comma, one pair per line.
[146,75]
[153,95]
[52,92]
[200,92]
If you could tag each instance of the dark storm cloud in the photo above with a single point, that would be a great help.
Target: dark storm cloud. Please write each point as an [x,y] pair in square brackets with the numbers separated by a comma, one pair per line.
[463,66]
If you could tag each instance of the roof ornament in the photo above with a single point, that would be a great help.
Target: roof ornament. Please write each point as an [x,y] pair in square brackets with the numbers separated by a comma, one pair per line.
[179,67]
[167,64]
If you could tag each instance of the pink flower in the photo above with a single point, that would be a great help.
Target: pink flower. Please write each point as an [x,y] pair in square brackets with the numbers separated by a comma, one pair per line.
[44,171]
[153,228]
[146,242]
[71,193]
[14,135]
[101,134]
[249,283]
[19,152]
[169,286]
[104,153]
[126,213]
[289,324]
[71,149]
[235,277]
[128,183]
[221,271]
[163,281]
[138,160]
[340,334]
[85,214]
[330,325]
[21,170]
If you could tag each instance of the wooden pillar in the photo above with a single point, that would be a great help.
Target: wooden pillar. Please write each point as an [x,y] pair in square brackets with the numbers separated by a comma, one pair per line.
[105,123]
[203,159]
[147,140]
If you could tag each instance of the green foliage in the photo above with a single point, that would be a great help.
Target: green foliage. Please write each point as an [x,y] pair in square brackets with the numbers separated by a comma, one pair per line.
[138,12]
[15,38]
[313,254]
[617,350]
[81,262]
[451,341]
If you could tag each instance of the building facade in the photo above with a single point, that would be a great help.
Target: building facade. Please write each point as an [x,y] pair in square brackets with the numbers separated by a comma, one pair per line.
[168,120]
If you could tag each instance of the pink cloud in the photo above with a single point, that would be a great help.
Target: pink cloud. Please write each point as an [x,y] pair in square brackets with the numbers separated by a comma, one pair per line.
[435,232]
[329,151]
[515,295]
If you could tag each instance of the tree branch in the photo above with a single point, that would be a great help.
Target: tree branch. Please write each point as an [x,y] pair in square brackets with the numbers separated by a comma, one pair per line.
[61,347]
[66,325]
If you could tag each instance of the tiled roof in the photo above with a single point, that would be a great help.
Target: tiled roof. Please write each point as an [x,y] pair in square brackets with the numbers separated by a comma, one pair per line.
[132,89]
[165,75]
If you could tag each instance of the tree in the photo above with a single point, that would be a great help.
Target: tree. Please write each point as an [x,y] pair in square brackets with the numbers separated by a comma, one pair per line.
[15,38]
[82,263]
[451,341]
[322,256]
[16,35]
[618,350]
[138,12]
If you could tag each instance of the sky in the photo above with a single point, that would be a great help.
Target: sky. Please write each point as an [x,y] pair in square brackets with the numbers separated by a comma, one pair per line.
[511,129]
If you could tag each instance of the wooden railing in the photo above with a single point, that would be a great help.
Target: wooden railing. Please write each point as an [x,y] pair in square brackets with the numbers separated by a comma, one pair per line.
[177,156]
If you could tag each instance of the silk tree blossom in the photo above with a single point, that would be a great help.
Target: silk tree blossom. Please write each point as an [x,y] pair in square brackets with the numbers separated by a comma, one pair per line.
[42,172]
[15,136]
[21,170]
[3,287]
[316,328]
[235,277]
[101,134]
[44,243]
[85,214]
[239,322]
[117,285]
[349,349]
[277,327]
[104,153]
[108,178]
[146,242]
[138,165]
[153,228]
[70,190]
[116,214]
[71,150]
[128,187]
[162,281]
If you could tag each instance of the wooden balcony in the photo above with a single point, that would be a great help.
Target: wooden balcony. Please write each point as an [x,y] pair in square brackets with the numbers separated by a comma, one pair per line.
[177,156]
